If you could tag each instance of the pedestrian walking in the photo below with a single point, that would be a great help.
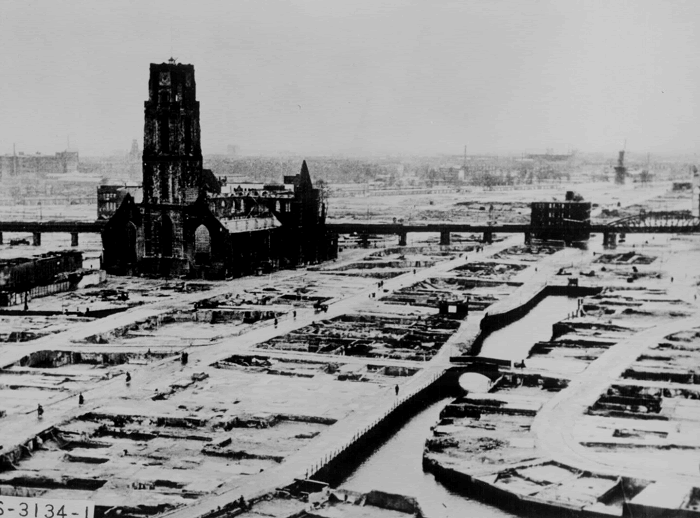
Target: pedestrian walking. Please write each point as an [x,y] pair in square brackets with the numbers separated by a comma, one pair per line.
[128,377]
[39,411]
[396,388]
[81,399]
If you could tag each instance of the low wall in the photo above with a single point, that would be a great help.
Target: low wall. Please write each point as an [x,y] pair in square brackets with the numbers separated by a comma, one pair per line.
[334,469]
[466,485]
[98,313]
[18,298]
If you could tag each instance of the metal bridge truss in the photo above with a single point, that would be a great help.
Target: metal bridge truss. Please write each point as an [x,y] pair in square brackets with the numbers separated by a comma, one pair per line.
[658,221]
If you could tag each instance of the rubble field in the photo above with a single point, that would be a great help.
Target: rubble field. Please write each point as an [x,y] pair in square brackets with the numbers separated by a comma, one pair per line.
[369,336]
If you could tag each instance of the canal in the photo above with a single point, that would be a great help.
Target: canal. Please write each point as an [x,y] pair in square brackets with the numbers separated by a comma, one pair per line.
[396,466]
[514,341]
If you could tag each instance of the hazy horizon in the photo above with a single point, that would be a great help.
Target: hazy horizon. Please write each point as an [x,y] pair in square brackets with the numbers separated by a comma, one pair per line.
[360,78]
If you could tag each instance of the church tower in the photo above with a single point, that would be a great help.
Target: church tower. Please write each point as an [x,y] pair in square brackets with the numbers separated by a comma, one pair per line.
[172,161]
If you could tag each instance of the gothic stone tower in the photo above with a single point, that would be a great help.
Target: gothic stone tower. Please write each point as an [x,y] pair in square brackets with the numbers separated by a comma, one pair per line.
[172,165]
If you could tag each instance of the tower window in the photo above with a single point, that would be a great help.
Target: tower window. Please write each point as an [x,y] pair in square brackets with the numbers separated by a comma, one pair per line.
[164,183]
[202,245]
[188,135]
[164,134]
[166,237]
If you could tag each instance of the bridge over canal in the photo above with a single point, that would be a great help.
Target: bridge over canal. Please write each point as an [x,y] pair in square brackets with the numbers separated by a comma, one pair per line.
[660,222]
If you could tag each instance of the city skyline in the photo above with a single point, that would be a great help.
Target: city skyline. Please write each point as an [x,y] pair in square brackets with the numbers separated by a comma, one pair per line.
[360,78]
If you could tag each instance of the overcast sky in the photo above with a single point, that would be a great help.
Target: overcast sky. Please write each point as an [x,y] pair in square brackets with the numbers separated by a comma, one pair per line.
[358,76]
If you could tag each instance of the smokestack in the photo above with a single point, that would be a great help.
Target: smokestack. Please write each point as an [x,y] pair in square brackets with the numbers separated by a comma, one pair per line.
[696,192]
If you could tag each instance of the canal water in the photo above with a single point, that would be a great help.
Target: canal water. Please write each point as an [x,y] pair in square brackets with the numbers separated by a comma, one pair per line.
[514,341]
[397,465]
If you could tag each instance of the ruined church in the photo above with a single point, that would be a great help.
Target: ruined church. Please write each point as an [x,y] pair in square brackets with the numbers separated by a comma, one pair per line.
[190,223]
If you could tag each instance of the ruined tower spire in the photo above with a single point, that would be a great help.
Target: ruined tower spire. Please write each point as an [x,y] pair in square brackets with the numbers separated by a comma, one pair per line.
[172,159]
[172,153]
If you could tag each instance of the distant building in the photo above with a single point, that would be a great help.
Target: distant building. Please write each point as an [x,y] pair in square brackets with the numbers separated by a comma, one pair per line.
[19,165]
[135,152]
[682,186]
[566,221]
[189,223]
[620,169]
[111,195]
[550,157]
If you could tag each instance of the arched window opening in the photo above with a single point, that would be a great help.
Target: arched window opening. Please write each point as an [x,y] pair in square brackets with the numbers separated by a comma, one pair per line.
[165,182]
[166,237]
[164,133]
[130,243]
[188,136]
[202,245]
